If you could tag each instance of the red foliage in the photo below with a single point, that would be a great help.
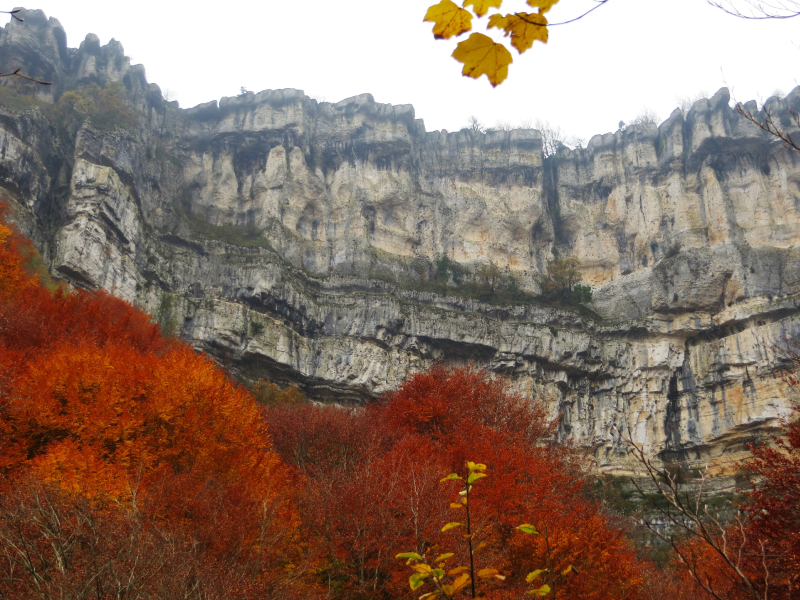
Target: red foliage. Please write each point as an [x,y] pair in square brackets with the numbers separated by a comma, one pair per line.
[472,416]
[765,548]
[373,488]
[114,420]
[149,455]
[315,437]
[59,545]
[774,512]
[672,582]
[14,278]
[441,403]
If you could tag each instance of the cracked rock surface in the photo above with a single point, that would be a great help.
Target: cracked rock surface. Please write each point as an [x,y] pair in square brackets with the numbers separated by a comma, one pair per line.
[297,241]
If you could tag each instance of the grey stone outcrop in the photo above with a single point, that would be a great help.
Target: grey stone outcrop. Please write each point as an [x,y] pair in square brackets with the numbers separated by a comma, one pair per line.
[294,240]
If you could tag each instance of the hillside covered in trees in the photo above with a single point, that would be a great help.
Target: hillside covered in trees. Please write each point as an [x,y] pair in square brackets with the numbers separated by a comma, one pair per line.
[133,467]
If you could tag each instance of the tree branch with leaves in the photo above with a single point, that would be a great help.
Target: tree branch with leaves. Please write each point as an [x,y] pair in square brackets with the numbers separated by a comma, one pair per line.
[465,577]
[479,53]
[450,581]
[482,55]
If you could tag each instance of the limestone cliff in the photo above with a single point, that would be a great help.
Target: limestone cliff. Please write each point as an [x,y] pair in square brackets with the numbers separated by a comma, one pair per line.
[299,241]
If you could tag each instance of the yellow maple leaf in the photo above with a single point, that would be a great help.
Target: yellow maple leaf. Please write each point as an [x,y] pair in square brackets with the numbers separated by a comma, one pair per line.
[481,7]
[542,5]
[524,28]
[449,19]
[482,56]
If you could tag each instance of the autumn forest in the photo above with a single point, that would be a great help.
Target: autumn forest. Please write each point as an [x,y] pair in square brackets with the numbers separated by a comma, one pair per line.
[133,467]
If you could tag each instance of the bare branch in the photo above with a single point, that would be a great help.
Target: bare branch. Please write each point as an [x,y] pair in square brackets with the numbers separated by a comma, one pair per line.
[521,16]
[759,10]
[13,13]
[769,125]
[688,516]
[23,76]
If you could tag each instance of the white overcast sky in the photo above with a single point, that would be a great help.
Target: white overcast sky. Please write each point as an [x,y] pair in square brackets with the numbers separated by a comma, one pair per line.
[626,56]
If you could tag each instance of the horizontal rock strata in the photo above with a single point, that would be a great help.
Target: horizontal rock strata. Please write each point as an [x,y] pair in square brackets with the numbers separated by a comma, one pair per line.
[298,241]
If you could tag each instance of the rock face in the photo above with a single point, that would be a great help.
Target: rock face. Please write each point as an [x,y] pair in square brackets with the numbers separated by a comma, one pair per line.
[302,241]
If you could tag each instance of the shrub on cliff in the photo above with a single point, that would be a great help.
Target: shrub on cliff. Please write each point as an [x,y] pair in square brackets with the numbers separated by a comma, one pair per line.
[562,282]
[108,108]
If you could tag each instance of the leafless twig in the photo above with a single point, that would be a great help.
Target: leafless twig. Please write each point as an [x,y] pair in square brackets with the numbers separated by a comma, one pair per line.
[758,10]
[18,74]
[691,516]
[768,125]
[578,18]
[13,13]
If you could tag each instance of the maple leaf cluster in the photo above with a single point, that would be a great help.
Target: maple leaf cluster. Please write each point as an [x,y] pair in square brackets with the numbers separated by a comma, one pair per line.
[480,54]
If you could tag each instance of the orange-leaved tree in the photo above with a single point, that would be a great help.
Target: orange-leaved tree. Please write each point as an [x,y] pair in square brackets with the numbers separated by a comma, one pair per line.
[373,489]
[106,425]
[533,480]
